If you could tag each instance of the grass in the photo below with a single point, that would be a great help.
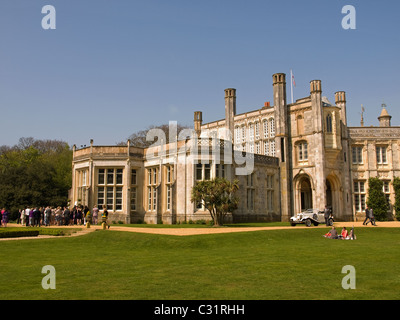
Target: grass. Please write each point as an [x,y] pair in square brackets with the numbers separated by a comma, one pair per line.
[260,265]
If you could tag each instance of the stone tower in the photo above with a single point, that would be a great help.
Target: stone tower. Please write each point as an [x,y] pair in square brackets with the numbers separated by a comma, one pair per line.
[317,145]
[282,129]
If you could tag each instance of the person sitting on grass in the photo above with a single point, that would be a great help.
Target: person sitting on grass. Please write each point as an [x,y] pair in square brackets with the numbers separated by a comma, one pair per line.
[332,234]
[344,234]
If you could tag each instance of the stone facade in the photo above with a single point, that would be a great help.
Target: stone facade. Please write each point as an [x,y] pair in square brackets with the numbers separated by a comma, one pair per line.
[301,155]
[153,185]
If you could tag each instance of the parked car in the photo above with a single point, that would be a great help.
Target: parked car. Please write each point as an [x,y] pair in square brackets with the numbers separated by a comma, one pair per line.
[309,217]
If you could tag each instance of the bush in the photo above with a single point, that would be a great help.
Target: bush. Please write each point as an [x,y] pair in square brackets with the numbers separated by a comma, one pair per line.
[376,199]
[18,233]
[396,187]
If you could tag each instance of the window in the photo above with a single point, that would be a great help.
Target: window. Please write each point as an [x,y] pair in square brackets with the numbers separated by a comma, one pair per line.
[272,150]
[272,127]
[266,148]
[110,176]
[237,135]
[381,155]
[118,198]
[168,187]
[302,151]
[203,171]
[356,153]
[133,198]
[110,189]
[100,197]
[265,126]
[119,176]
[250,191]
[329,123]
[220,170]
[258,148]
[257,130]
[251,147]
[100,176]
[243,133]
[81,183]
[359,195]
[152,189]
[270,192]
[386,190]
[134,189]
[251,132]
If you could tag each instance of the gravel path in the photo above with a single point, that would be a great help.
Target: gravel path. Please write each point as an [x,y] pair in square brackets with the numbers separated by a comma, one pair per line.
[199,231]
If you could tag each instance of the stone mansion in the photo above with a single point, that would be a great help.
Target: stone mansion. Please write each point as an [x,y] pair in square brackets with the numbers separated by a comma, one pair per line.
[286,157]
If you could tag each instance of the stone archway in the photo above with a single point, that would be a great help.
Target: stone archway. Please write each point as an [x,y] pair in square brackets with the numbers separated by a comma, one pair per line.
[303,193]
[332,193]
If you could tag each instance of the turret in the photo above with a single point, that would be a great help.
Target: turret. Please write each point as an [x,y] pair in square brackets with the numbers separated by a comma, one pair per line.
[384,118]
[340,101]
[316,104]
[230,109]
[198,121]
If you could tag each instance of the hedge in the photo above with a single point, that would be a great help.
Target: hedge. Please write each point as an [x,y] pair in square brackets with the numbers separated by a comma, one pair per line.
[19,233]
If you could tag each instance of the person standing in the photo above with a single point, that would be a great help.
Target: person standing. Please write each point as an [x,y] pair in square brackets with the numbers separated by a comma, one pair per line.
[104,216]
[31,218]
[95,214]
[23,217]
[4,217]
[78,215]
[36,217]
[47,214]
[27,212]
[327,214]
[67,214]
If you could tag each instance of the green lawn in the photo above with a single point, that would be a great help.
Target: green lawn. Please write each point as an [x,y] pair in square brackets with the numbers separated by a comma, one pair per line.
[275,264]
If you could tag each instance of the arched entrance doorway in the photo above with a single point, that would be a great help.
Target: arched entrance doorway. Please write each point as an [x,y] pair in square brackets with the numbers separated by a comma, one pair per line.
[332,194]
[328,194]
[305,193]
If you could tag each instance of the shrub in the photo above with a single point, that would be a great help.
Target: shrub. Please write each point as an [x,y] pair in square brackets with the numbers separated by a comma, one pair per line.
[376,199]
[19,233]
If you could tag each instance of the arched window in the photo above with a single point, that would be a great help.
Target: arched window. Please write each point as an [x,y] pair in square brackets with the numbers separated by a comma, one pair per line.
[272,127]
[329,123]
[266,131]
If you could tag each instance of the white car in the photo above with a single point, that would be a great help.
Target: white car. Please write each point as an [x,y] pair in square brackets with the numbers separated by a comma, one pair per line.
[309,217]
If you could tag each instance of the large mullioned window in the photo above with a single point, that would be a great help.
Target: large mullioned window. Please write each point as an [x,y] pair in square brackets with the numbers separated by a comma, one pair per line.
[109,188]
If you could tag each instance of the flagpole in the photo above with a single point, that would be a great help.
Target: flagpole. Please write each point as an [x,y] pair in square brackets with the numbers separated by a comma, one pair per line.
[291,83]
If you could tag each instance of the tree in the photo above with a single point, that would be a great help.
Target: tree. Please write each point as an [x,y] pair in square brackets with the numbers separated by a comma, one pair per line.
[217,196]
[138,139]
[376,199]
[35,173]
[396,187]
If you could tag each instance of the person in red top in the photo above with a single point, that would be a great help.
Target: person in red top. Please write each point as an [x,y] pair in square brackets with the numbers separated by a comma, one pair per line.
[344,233]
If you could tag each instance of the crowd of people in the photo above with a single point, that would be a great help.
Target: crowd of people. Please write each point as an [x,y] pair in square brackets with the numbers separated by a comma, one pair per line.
[57,216]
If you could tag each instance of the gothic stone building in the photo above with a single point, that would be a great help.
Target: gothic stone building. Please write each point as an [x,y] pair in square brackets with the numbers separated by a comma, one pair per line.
[287,158]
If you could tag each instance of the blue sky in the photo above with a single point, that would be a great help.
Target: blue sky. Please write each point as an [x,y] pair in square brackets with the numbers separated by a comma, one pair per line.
[111,68]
